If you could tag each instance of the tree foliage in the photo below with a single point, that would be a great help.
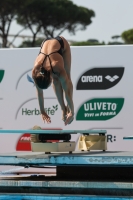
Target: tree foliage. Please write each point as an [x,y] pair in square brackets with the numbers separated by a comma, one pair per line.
[127,36]
[53,17]
[47,17]
[28,43]
[28,17]
[64,15]
[8,9]
[87,43]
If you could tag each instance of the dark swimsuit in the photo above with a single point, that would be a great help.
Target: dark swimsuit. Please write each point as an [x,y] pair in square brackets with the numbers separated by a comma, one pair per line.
[60,40]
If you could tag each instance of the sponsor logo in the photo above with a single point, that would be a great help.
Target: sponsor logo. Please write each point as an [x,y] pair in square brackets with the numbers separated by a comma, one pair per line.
[24,111]
[49,111]
[100,109]
[21,76]
[1,74]
[30,79]
[23,143]
[111,138]
[100,78]
[25,76]
[112,79]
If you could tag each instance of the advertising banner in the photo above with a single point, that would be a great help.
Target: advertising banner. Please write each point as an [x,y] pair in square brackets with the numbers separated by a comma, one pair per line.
[103,97]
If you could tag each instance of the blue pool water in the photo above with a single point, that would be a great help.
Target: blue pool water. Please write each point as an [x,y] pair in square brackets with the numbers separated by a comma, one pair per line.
[59,197]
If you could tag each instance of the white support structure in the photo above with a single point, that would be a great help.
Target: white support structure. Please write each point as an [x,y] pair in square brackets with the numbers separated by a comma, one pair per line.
[92,142]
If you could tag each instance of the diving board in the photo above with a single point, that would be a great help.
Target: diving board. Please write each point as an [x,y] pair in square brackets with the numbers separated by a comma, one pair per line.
[42,140]
[52,131]
[128,138]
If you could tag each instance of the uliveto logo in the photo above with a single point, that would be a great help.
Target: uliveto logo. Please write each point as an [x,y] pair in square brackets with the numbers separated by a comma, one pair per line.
[1,74]
[100,78]
[100,109]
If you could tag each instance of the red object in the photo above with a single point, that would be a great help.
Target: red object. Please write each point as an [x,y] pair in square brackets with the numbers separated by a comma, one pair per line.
[23,143]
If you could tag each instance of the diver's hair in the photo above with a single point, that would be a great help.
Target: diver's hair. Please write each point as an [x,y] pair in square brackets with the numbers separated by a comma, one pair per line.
[42,78]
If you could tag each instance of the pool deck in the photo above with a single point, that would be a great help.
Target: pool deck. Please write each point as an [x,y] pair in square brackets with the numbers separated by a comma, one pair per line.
[104,173]
[76,158]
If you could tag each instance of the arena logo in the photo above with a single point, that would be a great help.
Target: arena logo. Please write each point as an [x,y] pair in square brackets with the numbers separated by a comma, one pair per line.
[1,74]
[100,78]
[100,109]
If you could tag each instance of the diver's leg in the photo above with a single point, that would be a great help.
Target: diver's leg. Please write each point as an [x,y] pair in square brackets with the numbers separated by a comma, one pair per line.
[67,66]
[59,94]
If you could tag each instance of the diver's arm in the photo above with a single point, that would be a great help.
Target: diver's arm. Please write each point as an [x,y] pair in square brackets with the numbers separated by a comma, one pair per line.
[40,98]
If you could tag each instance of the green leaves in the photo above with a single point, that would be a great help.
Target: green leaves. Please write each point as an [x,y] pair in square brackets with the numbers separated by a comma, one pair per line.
[127,36]
[48,17]
[55,107]
[54,17]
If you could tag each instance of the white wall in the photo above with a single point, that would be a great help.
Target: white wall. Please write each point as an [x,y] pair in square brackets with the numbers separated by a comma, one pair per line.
[17,95]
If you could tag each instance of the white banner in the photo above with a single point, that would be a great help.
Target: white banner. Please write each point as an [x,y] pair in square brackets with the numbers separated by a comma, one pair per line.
[103,97]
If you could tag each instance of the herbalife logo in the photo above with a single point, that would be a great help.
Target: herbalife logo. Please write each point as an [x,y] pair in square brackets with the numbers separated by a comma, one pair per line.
[100,78]
[100,109]
[112,79]
[49,111]
[1,74]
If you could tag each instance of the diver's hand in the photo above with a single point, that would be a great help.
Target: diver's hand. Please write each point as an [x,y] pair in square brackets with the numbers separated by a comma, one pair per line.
[69,118]
[46,118]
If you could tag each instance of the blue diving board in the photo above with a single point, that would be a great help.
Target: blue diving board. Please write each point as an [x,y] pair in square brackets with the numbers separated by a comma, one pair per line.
[53,131]
[128,138]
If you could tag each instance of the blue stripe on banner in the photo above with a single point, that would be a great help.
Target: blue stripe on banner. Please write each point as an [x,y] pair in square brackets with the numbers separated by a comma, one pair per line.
[60,197]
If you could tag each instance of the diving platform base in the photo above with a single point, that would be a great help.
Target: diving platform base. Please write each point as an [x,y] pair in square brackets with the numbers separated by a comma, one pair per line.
[49,147]
[73,180]
[80,173]
[92,142]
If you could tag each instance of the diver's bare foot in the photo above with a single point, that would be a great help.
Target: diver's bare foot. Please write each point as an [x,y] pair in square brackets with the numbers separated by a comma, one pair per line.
[69,118]
[46,118]
[65,113]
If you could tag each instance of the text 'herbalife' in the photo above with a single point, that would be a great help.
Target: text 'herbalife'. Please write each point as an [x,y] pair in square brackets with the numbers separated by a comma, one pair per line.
[49,111]
[100,109]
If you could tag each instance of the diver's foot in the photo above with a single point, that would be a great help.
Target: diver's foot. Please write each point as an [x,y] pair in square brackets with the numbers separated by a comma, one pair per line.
[65,113]
[69,118]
